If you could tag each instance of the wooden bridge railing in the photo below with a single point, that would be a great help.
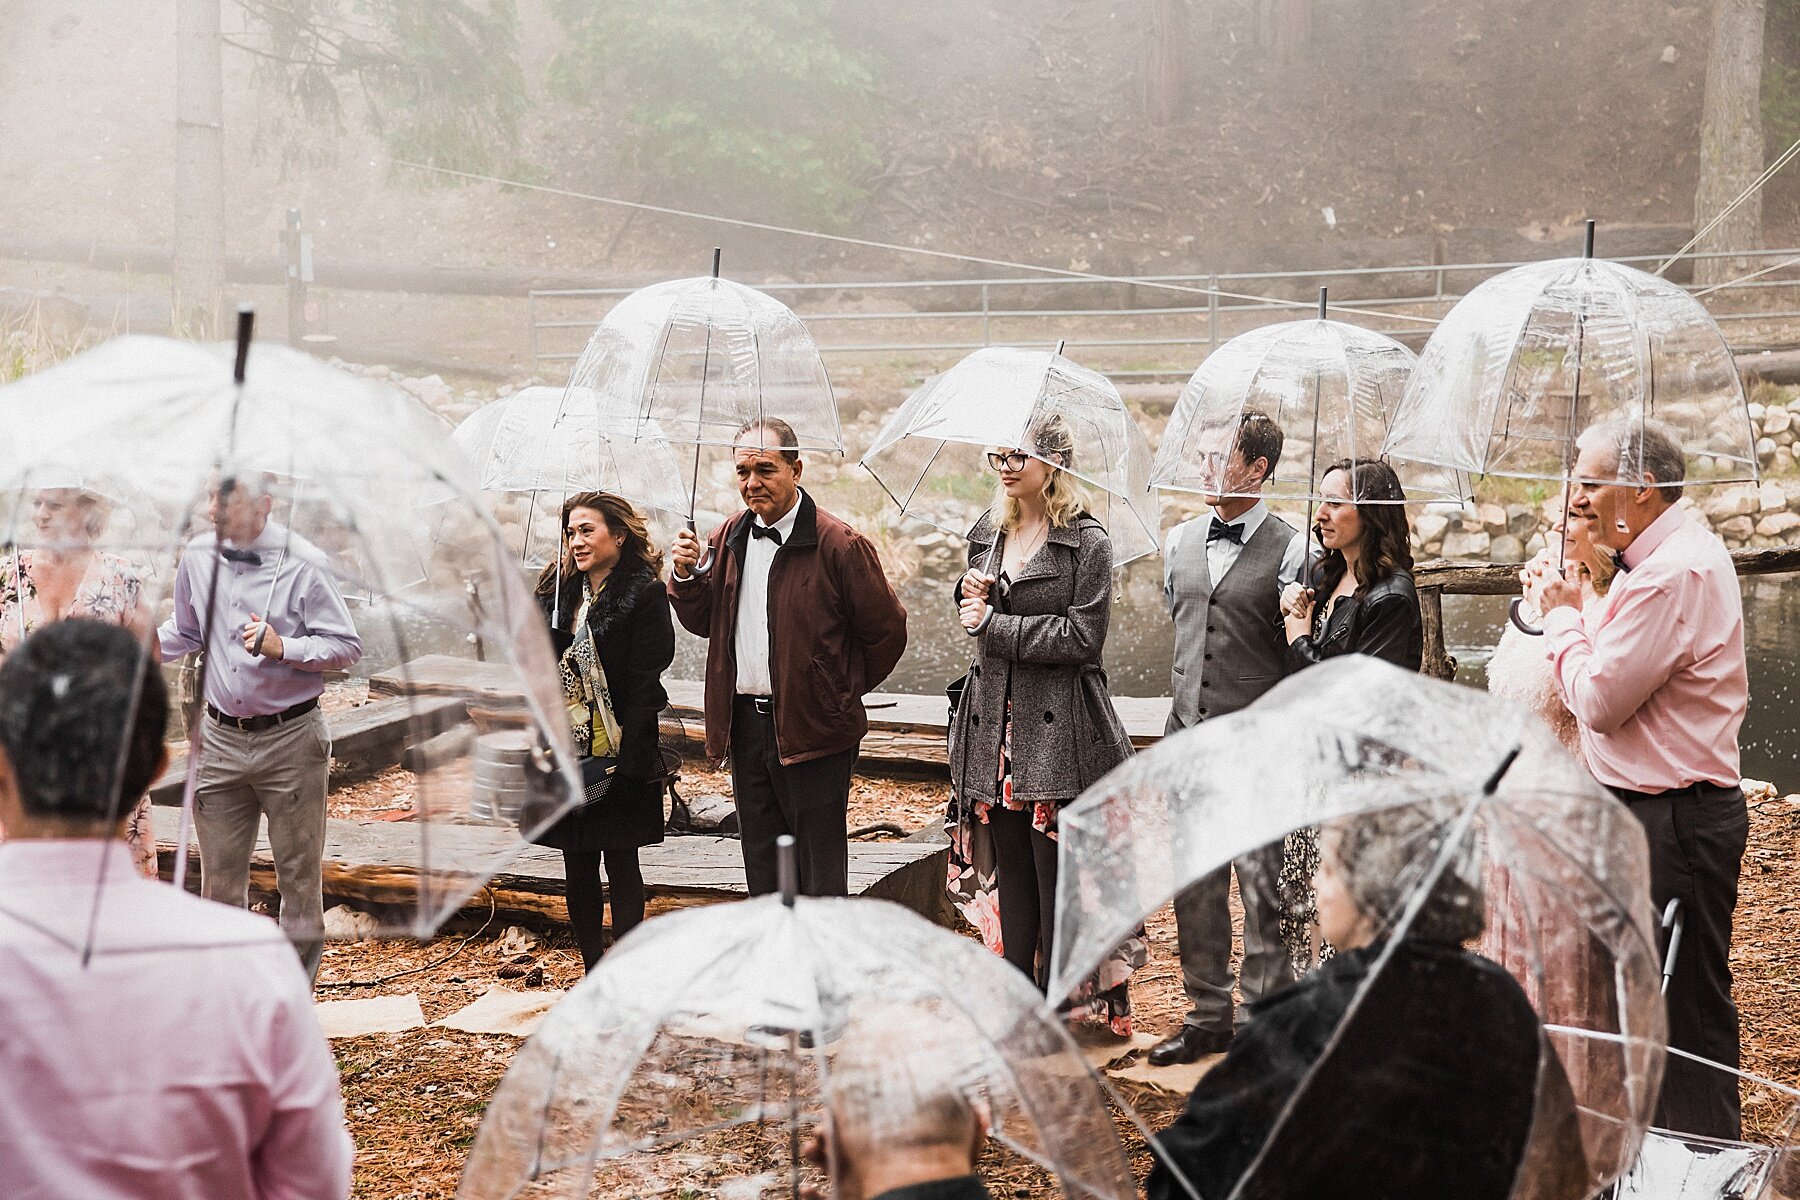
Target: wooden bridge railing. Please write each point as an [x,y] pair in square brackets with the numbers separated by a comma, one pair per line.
[1440,577]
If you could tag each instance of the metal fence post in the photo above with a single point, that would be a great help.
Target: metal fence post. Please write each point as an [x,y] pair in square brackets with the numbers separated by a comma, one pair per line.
[1212,311]
[537,362]
[986,340]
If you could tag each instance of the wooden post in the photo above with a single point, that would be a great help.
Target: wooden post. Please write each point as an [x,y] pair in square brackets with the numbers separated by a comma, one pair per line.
[1437,662]
[1731,138]
[198,263]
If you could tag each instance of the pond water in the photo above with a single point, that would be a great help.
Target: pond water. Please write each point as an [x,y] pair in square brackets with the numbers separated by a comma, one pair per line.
[1141,644]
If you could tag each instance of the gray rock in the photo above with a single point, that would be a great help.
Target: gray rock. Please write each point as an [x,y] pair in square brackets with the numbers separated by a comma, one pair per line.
[1507,548]
[1521,520]
[1466,545]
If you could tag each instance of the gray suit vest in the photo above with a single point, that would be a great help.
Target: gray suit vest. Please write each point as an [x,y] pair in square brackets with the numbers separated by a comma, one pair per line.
[1229,646]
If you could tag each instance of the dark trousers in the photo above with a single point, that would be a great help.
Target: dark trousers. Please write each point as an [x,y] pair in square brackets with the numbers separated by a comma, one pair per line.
[587,897]
[1697,838]
[809,800]
[1203,933]
[1025,877]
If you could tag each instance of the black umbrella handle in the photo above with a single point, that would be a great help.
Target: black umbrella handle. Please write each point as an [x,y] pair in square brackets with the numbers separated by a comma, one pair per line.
[1519,622]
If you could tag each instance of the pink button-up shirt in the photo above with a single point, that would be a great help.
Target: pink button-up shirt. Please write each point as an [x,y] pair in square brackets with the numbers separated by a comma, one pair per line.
[183,1062]
[1658,683]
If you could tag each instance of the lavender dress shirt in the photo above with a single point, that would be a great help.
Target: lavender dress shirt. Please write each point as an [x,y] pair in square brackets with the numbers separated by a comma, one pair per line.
[183,1062]
[291,589]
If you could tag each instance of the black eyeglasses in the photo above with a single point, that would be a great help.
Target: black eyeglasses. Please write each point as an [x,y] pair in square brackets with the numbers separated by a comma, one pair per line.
[1014,462]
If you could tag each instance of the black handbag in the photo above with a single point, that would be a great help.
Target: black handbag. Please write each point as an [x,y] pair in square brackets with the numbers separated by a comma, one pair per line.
[597,778]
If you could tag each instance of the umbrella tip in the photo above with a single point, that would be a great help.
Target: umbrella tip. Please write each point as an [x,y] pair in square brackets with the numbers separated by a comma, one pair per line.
[1493,781]
[246,322]
[1587,240]
[787,871]
[1322,292]
[717,252]
[1060,343]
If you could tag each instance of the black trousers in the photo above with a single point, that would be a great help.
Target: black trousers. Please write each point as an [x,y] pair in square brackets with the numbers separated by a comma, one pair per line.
[1025,878]
[809,800]
[587,897]
[1697,838]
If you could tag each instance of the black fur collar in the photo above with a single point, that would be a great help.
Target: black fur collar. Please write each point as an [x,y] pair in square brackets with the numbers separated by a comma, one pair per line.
[625,589]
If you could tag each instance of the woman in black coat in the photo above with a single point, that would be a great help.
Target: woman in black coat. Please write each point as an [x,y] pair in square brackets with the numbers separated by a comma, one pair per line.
[1365,576]
[610,627]
[1441,1083]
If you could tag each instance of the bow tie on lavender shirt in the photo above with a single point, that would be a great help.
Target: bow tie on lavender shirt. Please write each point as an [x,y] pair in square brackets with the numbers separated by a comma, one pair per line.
[765,531]
[1229,532]
[247,557]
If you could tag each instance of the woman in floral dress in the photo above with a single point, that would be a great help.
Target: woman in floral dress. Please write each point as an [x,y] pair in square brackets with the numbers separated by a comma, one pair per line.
[65,575]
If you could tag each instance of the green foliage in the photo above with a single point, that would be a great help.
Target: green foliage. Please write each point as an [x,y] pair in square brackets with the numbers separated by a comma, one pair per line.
[729,99]
[438,79]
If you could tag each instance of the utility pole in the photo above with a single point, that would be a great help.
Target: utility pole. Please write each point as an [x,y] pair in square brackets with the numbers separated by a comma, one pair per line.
[198,266]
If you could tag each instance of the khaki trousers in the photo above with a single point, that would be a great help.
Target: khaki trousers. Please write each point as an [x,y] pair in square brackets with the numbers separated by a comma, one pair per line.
[280,774]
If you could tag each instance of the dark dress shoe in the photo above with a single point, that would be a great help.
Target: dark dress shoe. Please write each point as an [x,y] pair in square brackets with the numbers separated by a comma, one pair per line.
[1189,1044]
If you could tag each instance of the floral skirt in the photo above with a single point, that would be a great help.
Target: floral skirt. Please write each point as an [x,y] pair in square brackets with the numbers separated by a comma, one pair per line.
[1104,998]
[1298,902]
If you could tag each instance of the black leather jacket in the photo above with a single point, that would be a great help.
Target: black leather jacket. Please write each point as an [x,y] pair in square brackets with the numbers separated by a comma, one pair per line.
[1383,621]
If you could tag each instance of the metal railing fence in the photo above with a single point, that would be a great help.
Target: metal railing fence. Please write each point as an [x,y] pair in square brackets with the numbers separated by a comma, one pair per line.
[1130,317]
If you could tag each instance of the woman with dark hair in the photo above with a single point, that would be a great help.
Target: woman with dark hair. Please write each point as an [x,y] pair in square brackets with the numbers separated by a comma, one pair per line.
[1422,1076]
[610,626]
[1365,575]
[1371,607]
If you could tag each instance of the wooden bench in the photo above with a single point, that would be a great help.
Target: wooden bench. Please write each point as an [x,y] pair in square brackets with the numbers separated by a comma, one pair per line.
[377,863]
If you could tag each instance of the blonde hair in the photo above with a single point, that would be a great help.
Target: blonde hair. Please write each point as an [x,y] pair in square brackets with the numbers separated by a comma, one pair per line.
[1064,497]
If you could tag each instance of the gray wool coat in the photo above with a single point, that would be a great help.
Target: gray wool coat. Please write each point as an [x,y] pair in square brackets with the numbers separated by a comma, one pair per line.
[1042,646]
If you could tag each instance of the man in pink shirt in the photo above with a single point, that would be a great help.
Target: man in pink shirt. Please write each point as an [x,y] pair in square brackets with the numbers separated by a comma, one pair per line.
[1659,688]
[161,1047]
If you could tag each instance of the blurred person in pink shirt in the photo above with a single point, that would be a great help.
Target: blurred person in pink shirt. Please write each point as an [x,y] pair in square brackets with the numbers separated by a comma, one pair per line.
[159,1046]
[1656,680]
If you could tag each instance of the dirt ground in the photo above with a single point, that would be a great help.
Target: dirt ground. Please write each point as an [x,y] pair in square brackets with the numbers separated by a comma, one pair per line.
[414,1100]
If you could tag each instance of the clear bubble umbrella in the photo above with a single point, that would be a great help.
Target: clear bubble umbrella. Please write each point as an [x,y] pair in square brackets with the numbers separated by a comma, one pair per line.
[931,455]
[550,443]
[452,710]
[701,1054]
[1330,386]
[1559,866]
[695,360]
[1685,1166]
[1534,356]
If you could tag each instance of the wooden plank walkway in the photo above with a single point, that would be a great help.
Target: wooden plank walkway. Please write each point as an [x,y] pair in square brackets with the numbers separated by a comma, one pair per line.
[376,862]
[906,732]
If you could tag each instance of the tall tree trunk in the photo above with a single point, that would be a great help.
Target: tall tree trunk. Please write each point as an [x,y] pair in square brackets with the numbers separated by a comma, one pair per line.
[1166,63]
[1285,28]
[199,255]
[1731,138]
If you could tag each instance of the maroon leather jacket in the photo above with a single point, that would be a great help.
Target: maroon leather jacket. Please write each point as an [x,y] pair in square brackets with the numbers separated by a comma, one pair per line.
[836,629]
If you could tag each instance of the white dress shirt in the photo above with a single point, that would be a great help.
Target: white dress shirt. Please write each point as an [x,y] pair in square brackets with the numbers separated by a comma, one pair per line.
[752,638]
[1222,553]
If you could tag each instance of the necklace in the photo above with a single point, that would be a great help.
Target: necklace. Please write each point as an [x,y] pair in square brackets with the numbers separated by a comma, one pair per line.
[1027,549]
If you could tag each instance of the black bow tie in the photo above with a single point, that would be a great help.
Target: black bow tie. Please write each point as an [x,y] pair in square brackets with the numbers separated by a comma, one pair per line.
[1219,529]
[765,531]
[240,556]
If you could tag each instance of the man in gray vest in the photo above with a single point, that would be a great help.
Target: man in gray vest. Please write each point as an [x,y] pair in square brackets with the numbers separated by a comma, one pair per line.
[1222,577]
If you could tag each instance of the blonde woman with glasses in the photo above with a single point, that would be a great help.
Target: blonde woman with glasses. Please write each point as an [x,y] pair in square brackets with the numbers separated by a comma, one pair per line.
[1035,724]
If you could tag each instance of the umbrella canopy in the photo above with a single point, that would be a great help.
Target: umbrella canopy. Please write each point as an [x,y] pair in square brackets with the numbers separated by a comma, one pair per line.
[701,1051]
[561,441]
[695,360]
[550,443]
[1532,357]
[1679,1166]
[1331,387]
[930,456]
[454,654]
[1559,866]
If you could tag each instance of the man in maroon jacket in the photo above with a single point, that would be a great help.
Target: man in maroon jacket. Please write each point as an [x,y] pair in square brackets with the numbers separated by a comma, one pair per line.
[801,621]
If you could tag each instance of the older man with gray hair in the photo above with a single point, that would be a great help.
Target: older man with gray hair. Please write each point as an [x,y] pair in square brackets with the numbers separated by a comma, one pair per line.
[903,1124]
[1658,686]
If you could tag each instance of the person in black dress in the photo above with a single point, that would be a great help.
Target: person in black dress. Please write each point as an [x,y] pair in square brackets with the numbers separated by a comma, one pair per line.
[1440,1082]
[610,627]
[1370,607]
